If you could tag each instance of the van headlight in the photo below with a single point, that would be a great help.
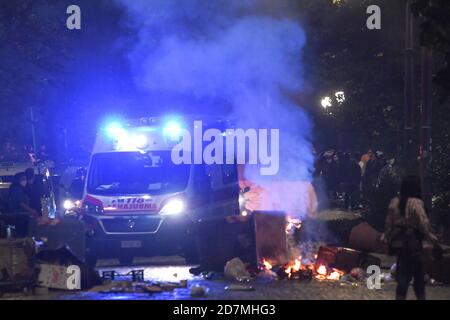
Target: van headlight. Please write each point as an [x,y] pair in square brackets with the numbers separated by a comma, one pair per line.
[69,205]
[173,207]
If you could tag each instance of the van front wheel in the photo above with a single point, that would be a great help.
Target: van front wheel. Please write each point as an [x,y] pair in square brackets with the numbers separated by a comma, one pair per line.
[191,253]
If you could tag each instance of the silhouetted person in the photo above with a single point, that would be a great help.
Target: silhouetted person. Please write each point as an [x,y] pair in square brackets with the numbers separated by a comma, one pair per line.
[407,225]
[77,185]
[330,174]
[34,190]
[370,178]
[43,153]
[350,179]
[18,199]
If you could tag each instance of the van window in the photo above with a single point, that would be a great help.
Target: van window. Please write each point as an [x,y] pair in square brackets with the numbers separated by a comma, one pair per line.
[118,173]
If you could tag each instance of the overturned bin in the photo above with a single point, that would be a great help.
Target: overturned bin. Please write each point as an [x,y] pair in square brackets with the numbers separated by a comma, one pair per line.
[18,271]
[252,238]
[344,259]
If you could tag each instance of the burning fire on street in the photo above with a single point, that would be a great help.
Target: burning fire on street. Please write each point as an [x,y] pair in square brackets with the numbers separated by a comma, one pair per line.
[301,271]
[292,224]
[301,268]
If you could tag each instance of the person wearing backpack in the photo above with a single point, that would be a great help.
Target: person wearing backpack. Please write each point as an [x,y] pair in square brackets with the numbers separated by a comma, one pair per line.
[407,225]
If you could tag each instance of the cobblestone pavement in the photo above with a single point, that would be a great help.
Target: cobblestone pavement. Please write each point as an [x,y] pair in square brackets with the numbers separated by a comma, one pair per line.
[280,289]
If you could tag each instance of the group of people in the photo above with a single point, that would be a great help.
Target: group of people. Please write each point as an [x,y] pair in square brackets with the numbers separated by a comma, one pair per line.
[356,177]
[377,181]
[25,194]
[25,153]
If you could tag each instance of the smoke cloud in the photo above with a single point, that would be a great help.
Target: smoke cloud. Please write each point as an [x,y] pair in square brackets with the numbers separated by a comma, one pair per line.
[239,59]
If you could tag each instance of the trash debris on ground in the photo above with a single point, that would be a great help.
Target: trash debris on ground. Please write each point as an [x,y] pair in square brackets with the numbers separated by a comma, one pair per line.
[267,275]
[235,269]
[56,277]
[198,290]
[152,289]
[212,275]
[387,277]
[347,278]
[344,259]
[18,271]
[320,262]
[358,274]
[239,287]
[135,275]
[347,283]
[126,286]
[393,270]
[55,262]
[365,238]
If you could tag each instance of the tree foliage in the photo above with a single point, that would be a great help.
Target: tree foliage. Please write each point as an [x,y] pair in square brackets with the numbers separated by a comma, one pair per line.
[343,54]
[32,50]
[435,34]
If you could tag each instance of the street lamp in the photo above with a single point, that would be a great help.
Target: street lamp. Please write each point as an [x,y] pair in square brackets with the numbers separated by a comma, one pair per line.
[340,97]
[326,102]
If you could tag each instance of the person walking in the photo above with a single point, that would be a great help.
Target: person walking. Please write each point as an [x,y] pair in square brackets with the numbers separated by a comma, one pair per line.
[407,225]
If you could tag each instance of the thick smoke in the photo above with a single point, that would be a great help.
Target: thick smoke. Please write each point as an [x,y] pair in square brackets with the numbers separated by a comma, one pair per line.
[242,59]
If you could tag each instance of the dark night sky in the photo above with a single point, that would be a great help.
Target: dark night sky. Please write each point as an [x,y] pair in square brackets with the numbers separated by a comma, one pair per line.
[92,76]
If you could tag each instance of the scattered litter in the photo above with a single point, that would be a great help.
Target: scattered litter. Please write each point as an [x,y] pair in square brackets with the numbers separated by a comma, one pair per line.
[212,275]
[267,275]
[115,286]
[136,275]
[347,283]
[387,277]
[198,290]
[358,273]
[54,263]
[152,288]
[235,270]
[239,287]
[183,283]
[347,278]
[394,270]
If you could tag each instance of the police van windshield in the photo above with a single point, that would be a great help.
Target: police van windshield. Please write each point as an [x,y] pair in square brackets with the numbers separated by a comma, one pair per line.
[136,173]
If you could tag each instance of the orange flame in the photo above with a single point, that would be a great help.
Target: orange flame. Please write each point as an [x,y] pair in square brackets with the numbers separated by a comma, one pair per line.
[322,273]
[322,270]
[294,266]
[292,223]
[266,265]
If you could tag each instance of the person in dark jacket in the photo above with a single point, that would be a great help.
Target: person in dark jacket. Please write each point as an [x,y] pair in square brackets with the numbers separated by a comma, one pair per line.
[34,191]
[77,185]
[18,199]
[350,180]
